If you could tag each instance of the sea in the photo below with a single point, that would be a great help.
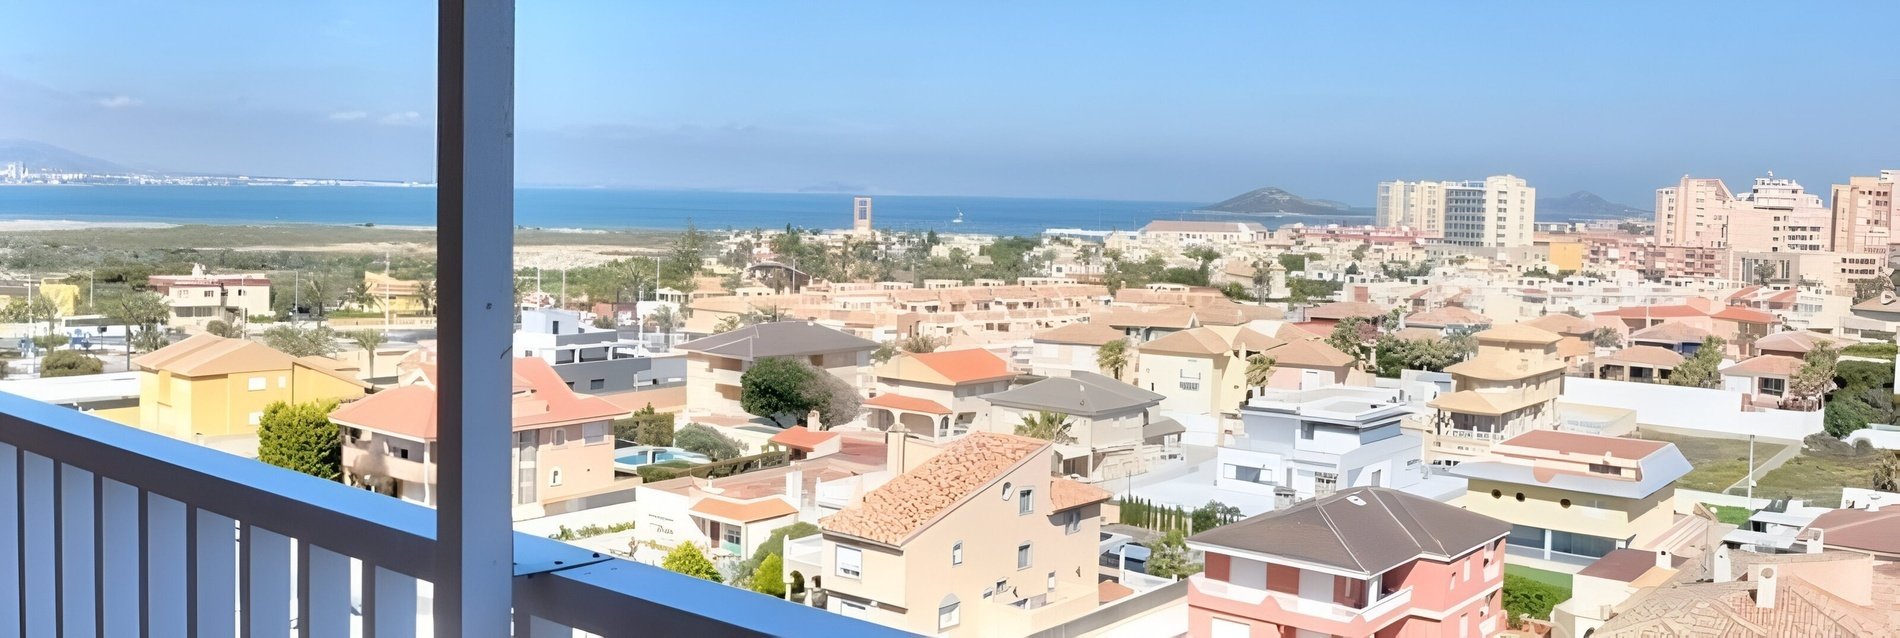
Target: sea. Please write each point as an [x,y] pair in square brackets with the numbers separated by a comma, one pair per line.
[602,209]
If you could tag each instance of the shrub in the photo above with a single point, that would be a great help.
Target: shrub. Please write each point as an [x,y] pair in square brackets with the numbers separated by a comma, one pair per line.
[705,440]
[646,427]
[687,559]
[769,578]
[68,363]
[1526,597]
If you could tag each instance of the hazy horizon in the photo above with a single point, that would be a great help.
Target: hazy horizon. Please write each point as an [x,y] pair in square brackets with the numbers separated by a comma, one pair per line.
[1109,101]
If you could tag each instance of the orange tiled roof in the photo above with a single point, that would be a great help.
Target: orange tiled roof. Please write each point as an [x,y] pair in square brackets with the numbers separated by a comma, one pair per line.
[800,438]
[541,399]
[901,402]
[1738,313]
[746,512]
[966,366]
[1110,591]
[1069,494]
[897,511]
[1770,365]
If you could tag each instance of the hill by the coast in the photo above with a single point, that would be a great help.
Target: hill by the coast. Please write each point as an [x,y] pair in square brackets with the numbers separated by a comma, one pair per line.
[47,157]
[1277,200]
[1585,204]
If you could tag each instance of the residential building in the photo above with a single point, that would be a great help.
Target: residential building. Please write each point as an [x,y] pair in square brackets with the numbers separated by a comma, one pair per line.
[935,394]
[729,517]
[64,296]
[200,298]
[588,359]
[563,443]
[1729,592]
[1497,212]
[398,296]
[1058,352]
[1764,381]
[1863,213]
[1598,590]
[1834,271]
[1360,563]
[1300,444]
[1572,498]
[978,540]
[1447,319]
[1204,232]
[1777,215]
[211,386]
[1416,205]
[1509,387]
[1675,336]
[714,364]
[1694,213]
[1116,429]
[1203,370]
[1639,363]
[861,216]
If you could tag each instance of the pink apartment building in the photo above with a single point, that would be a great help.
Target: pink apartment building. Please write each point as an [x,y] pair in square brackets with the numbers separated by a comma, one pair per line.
[1363,562]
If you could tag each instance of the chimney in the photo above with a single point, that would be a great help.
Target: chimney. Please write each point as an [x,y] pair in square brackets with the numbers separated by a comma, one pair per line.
[1662,559]
[1724,570]
[795,487]
[894,450]
[1765,587]
[1817,538]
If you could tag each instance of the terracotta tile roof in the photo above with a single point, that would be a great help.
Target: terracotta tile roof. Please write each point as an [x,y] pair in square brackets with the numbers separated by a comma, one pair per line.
[897,511]
[1194,342]
[1084,333]
[1311,354]
[901,402]
[949,367]
[1563,324]
[1876,532]
[541,399]
[1517,333]
[744,512]
[1418,334]
[1768,365]
[1068,494]
[1650,356]
[799,438]
[1586,444]
[1800,341]
[1447,316]
[1109,591]
[1654,312]
[1731,609]
[1670,332]
[1343,309]
[1737,313]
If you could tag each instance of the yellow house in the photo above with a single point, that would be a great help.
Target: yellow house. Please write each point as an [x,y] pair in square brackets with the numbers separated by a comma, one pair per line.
[1572,498]
[1509,387]
[64,296]
[208,386]
[402,296]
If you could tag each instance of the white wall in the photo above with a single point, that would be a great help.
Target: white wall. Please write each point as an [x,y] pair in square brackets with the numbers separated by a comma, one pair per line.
[1713,411]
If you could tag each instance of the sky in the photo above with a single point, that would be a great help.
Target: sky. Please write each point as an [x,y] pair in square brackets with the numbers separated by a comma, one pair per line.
[1114,100]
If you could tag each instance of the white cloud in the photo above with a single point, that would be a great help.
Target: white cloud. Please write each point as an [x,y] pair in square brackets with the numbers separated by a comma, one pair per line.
[118,101]
[348,116]
[405,117]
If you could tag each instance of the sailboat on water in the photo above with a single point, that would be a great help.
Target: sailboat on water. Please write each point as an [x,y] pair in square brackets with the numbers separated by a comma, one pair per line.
[959,218]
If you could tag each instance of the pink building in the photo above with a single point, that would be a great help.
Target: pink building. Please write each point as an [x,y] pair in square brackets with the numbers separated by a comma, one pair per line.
[1363,562]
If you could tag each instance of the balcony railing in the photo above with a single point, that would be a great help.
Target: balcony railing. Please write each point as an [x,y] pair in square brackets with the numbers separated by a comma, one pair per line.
[1303,606]
[110,530]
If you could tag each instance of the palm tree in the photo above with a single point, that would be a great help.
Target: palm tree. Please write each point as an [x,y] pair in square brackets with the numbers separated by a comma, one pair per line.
[1259,370]
[368,340]
[665,319]
[919,344]
[1048,426]
[1113,356]
[146,311]
[728,323]
[425,294]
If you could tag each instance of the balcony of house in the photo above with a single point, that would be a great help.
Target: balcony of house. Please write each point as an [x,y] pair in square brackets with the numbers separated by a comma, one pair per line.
[1291,610]
[369,457]
[111,530]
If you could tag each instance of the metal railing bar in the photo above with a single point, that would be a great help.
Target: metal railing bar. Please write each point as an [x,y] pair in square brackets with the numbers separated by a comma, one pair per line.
[302,621]
[246,539]
[368,574]
[99,553]
[191,570]
[59,548]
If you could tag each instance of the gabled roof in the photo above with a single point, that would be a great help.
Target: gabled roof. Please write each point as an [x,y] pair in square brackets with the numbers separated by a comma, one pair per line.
[1768,365]
[1343,309]
[947,367]
[1200,342]
[1310,353]
[1863,530]
[1800,341]
[1365,530]
[900,509]
[1670,332]
[901,402]
[1447,316]
[541,399]
[1653,312]
[777,339]
[1517,333]
[1563,324]
[1732,609]
[1738,313]
[1081,394]
[800,438]
[743,512]
[1086,333]
[1658,464]
[1650,356]
[205,355]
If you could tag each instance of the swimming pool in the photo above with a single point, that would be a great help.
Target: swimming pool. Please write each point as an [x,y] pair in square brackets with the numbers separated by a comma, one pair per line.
[628,458]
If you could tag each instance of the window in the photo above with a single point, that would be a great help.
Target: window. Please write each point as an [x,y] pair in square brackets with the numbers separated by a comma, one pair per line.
[283,381]
[1026,502]
[850,609]
[1023,556]
[554,476]
[949,612]
[560,436]
[597,384]
[730,533]
[850,562]
[1774,387]
[256,417]
[594,433]
[1071,521]
[956,553]
[1190,386]
[1601,468]
[257,383]
[1052,581]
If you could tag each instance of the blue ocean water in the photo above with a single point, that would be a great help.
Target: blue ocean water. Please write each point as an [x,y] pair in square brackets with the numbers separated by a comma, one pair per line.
[595,208]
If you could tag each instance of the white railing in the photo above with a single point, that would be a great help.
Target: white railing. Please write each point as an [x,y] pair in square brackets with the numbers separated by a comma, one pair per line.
[1480,435]
[1303,606]
[110,530]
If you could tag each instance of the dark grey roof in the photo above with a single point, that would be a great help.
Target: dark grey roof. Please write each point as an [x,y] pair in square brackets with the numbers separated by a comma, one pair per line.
[1080,394]
[778,339]
[1364,530]
[1161,427]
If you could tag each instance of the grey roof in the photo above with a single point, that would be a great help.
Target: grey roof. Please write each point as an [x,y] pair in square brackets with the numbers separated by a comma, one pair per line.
[1161,427]
[778,339]
[1363,530]
[1659,470]
[1080,394]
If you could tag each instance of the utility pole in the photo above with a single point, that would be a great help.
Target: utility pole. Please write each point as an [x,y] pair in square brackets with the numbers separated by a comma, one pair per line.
[296,295]
[1751,470]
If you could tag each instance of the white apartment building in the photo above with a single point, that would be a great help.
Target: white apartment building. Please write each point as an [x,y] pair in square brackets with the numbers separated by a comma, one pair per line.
[1777,215]
[1303,444]
[1863,212]
[1498,211]
[1693,213]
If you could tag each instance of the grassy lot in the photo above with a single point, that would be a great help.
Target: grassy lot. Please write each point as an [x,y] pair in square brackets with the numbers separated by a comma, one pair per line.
[1730,514]
[1817,479]
[1716,463]
[1554,579]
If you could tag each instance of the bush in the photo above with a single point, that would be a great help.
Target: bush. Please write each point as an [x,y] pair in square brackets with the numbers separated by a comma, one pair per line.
[687,559]
[721,469]
[705,440]
[769,578]
[646,427]
[589,530]
[1871,350]
[301,437]
[68,363]
[1527,597]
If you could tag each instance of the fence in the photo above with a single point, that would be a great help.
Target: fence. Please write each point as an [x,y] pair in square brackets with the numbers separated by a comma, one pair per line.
[720,469]
[1708,411]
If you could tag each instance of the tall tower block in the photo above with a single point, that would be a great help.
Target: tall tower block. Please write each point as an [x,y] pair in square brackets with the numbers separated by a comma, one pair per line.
[861,215]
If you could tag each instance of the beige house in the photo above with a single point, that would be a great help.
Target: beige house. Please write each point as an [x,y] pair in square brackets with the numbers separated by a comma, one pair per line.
[1060,351]
[714,364]
[978,540]
[563,442]
[1203,370]
[1510,387]
[1117,429]
[935,394]
[199,298]
[211,387]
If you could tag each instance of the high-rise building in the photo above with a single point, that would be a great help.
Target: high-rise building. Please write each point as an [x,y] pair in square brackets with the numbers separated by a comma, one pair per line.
[1496,212]
[1863,212]
[861,215]
[1693,213]
[1416,205]
[1777,215]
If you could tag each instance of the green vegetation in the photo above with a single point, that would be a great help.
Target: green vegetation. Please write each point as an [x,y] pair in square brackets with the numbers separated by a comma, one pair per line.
[1730,514]
[787,390]
[705,440]
[1715,464]
[676,468]
[1532,593]
[1170,557]
[646,427]
[1818,475]
[1871,350]
[70,363]
[769,578]
[687,559]
[1048,426]
[1865,395]
[1112,357]
[1302,290]
[773,546]
[1395,355]
[301,437]
[1702,369]
[589,531]
[296,341]
[1149,515]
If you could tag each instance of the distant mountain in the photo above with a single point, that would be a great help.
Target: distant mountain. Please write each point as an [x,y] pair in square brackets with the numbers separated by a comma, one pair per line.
[1276,200]
[1585,204]
[40,156]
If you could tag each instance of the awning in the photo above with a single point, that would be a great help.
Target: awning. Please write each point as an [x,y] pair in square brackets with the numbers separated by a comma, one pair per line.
[1161,427]
[1759,539]
[1071,451]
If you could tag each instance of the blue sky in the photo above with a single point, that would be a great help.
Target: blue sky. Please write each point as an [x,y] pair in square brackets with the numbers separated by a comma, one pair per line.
[1136,100]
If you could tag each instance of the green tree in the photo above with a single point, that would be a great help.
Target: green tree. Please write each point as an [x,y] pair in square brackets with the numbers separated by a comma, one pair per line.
[297,341]
[1606,337]
[1205,256]
[1112,357]
[143,315]
[1048,426]
[222,328]
[919,343]
[1524,597]
[300,436]
[70,363]
[774,544]
[1170,558]
[884,352]
[1702,369]
[646,427]
[777,388]
[1213,514]
[769,577]
[1814,379]
[1259,370]
[836,401]
[369,341]
[687,559]
[1765,272]
[705,440]
[1355,336]
[425,294]
[665,319]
